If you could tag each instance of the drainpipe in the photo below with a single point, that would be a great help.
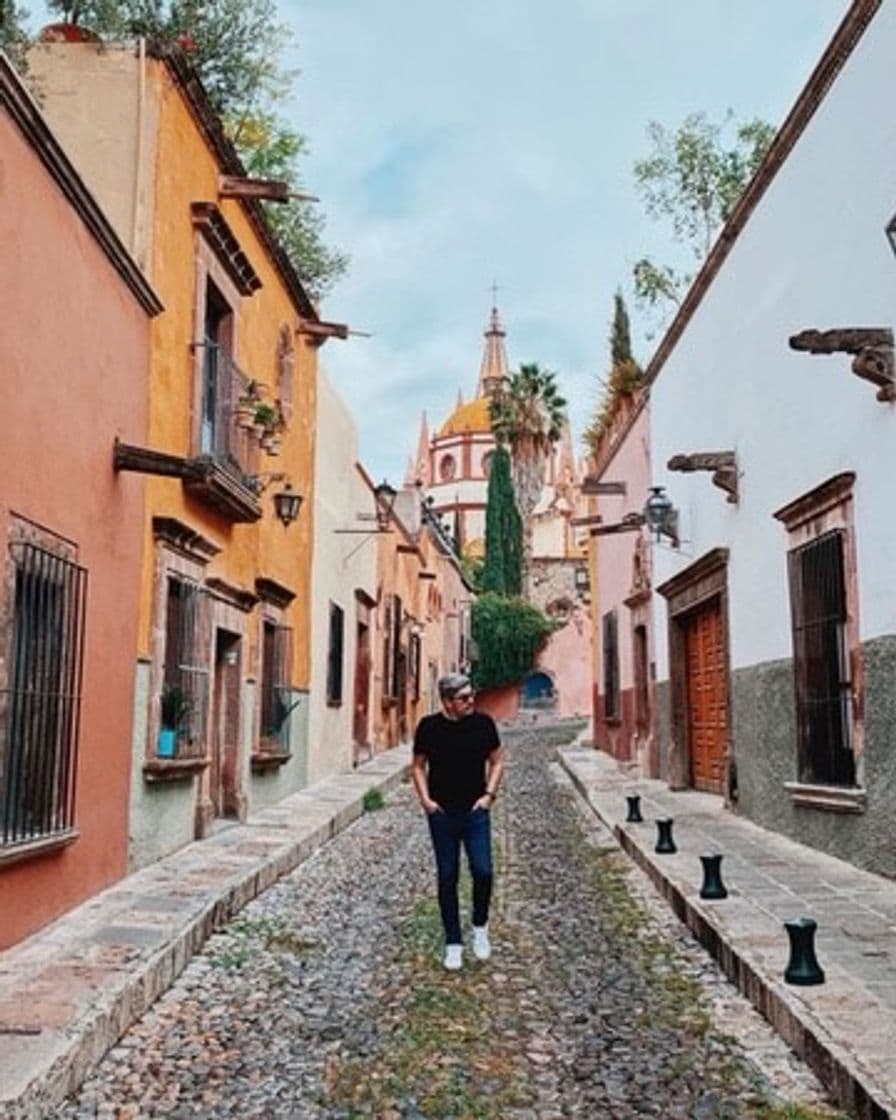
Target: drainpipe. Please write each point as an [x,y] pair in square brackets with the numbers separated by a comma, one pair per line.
[139,156]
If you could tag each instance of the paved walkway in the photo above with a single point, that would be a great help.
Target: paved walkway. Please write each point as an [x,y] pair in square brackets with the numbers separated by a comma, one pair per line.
[845,1029]
[70,991]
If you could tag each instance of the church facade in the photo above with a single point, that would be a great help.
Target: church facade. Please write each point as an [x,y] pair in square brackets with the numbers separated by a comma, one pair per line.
[451,468]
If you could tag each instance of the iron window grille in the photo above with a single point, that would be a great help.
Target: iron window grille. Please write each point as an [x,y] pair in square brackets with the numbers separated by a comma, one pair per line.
[334,655]
[276,664]
[41,705]
[611,666]
[821,662]
[186,669]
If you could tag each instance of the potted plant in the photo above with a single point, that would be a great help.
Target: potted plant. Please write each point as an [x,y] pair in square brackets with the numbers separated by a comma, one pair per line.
[247,403]
[265,418]
[174,712]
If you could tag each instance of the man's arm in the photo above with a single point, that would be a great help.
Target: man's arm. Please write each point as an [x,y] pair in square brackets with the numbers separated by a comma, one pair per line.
[421,783]
[494,772]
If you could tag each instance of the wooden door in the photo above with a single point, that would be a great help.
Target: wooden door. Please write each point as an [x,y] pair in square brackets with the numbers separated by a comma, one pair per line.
[707,696]
[362,685]
[226,725]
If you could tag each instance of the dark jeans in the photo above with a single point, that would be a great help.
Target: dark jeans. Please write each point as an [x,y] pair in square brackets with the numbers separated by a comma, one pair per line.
[450,829]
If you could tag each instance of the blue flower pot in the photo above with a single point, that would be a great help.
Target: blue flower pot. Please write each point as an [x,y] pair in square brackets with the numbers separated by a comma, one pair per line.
[167,742]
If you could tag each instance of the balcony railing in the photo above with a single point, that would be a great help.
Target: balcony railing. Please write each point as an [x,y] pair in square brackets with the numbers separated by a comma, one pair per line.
[223,471]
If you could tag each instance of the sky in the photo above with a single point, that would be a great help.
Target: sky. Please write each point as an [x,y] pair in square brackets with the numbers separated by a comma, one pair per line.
[458,145]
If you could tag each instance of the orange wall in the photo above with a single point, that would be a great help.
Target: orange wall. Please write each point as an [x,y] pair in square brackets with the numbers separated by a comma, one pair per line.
[72,382]
[186,172]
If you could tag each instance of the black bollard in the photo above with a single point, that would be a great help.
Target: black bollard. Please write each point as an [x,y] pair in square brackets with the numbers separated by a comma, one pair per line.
[664,841]
[803,967]
[634,809]
[713,887]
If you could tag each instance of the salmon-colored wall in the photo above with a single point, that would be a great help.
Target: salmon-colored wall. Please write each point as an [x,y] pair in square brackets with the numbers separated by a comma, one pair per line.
[74,377]
[502,704]
[567,659]
[187,171]
[612,566]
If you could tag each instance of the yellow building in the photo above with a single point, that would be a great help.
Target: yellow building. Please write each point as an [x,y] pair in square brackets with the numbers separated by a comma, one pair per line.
[220,714]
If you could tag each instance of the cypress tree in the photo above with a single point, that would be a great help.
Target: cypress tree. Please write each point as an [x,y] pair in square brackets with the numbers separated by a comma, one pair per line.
[502,571]
[620,339]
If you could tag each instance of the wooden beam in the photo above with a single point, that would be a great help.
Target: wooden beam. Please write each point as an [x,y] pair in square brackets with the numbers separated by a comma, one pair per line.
[143,460]
[593,486]
[592,519]
[317,331]
[267,190]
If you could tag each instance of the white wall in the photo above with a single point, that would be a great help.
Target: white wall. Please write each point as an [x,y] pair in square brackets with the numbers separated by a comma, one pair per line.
[813,254]
[342,564]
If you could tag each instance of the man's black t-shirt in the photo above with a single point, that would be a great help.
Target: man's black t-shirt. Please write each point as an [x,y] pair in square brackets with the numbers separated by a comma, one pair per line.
[456,751]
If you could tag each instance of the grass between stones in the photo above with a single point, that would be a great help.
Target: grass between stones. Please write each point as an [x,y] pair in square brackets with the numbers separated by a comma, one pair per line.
[439,1054]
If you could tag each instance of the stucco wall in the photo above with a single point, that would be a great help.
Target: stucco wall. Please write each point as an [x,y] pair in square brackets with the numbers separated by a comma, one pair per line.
[765,753]
[813,254]
[72,383]
[343,564]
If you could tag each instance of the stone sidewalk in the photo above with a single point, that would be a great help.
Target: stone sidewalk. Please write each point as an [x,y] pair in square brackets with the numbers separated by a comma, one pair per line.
[71,990]
[845,1028]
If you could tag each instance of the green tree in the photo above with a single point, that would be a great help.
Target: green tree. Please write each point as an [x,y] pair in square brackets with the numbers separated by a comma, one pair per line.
[13,36]
[527,416]
[508,633]
[236,47]
[624,378]
[502,571]
[692,180]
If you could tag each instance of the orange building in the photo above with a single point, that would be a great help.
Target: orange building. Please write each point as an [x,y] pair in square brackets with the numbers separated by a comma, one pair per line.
[222,676]
[71,528]
[421,617]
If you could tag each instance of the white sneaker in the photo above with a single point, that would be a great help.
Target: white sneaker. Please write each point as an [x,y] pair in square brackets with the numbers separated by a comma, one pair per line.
[482,947]
[454,957]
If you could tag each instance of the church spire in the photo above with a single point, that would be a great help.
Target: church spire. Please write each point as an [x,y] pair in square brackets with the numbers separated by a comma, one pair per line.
[493,368]
[418,471]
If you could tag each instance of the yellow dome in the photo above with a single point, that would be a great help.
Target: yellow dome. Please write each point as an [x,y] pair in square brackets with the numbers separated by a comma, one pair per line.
[474,548]
[470,417]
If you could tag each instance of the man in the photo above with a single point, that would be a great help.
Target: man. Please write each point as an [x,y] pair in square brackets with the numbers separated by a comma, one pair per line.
[457,768]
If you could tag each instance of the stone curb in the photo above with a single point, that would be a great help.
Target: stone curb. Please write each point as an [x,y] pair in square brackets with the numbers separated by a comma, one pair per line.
[38,1073]
[840,1072]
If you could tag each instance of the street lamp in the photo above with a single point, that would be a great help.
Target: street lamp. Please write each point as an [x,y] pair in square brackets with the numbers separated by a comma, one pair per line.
[890,231]
[385,496]
[661,516]
[581,579]
[287,503]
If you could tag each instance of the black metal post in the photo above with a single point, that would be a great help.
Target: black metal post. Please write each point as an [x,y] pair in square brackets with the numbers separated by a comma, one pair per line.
[664,841]
[713,887]
[803,967]
[634,809]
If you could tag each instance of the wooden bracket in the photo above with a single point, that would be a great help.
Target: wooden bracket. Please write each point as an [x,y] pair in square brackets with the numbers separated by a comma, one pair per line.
[723,464]
[872,348]
[316,331]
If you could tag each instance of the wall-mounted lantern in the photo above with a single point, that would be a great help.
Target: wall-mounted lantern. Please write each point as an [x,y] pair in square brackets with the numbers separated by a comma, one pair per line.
[287,503]
[661,516]
[385,495]
[582,582]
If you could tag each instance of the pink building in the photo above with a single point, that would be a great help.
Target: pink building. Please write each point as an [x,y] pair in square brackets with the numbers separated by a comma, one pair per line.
[74,345]
[620,564]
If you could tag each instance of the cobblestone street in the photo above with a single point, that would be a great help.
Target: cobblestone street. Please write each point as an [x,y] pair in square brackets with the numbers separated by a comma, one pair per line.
[326,997]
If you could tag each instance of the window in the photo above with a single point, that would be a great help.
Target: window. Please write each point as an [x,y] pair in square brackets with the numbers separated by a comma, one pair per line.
[821,661]
[391,646]
[334,655]
[487,463]
[215,407]
[447,468]
[40,707]
[611,666]
[276,647]
[415,665]
[185,679]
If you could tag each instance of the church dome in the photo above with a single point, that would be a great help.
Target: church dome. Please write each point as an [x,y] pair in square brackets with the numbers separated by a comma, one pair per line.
[473,416]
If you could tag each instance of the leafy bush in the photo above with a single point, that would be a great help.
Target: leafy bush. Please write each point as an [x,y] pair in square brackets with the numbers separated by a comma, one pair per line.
[508,634]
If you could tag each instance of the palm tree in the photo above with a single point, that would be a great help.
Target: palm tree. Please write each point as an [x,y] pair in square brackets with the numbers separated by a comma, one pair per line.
[528,415]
